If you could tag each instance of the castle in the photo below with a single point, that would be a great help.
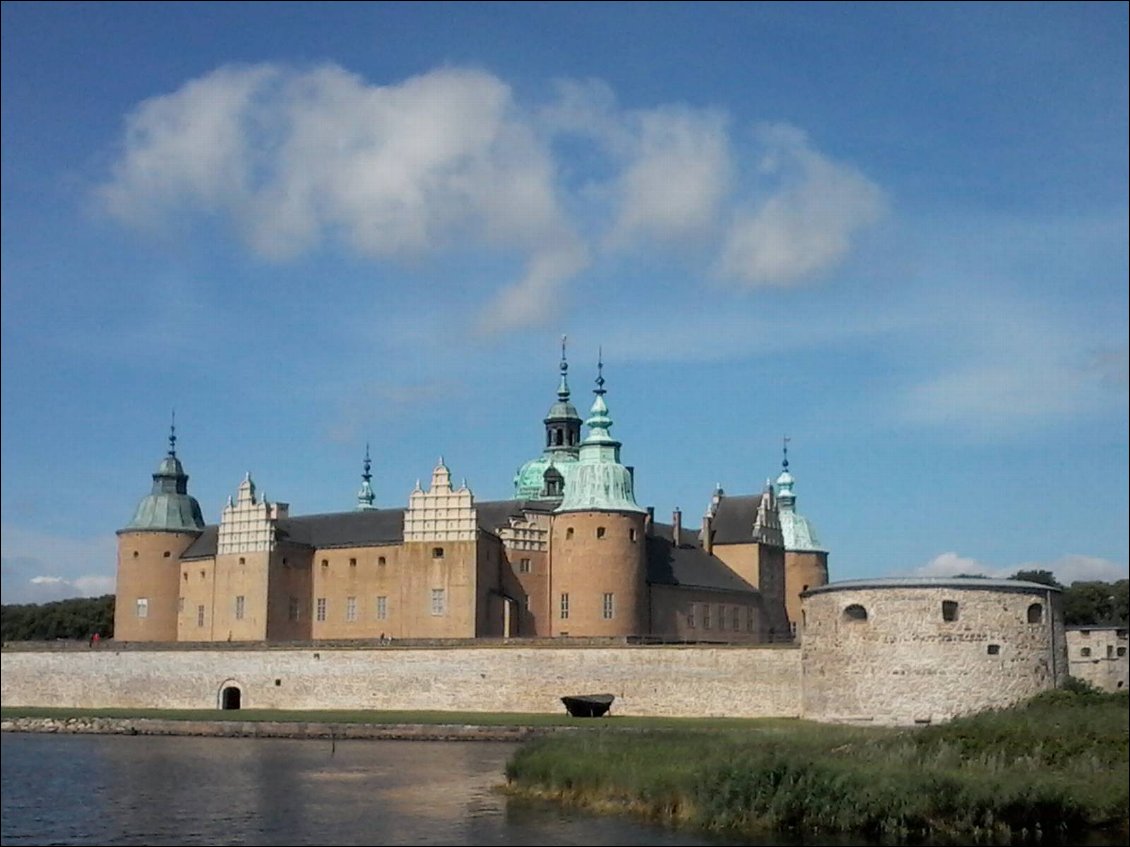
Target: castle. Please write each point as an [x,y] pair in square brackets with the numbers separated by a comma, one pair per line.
[571,555]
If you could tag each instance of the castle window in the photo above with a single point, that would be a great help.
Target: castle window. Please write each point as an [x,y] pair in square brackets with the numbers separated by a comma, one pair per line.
[242,560]
[166,554]
[1035,613]
[855,612]
[294,609]
[524,566]
[1121,651]
[437,601]
[600,532]
[185,576]
[285,562]
[202,574]
[437,552]
[609,610]
[180,604]
[382,608]
[351,609]
[568,533]
[380,561]
[565,606]
[1110,651]
[135,554]
[325,563]
[352,563]
[949,610]
[994,649]
[690,617]
[321,607]
[200,616]
[239,607]
[143,607]
[734,625]
[706,616]
[1085,652]
[632,534]
[558,438]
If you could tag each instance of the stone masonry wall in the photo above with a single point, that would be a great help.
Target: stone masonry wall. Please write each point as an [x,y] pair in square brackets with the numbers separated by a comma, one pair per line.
[907,663]
[647,680]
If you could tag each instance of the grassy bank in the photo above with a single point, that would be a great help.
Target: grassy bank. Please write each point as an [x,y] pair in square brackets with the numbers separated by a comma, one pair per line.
[1053,766]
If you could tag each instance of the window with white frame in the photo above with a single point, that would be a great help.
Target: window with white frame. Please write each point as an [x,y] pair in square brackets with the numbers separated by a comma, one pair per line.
[240,605]
[321,609]
[564,605]
[294,609]
[143,607]
[524,566]
[351,609]
[200,616]
[438,601]
[609,609]
[382,608]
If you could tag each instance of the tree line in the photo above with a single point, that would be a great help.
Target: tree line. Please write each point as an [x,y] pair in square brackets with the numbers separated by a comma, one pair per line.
[76,618]
[1085,603]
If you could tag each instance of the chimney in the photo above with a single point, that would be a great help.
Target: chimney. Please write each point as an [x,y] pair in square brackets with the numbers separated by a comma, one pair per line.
[677,526]
[706,538]
[649,521]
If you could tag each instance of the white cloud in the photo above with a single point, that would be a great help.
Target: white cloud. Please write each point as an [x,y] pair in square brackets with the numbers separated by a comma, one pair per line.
[1067,569]
[804,226]
[296,159]
[676,177]
[37,568]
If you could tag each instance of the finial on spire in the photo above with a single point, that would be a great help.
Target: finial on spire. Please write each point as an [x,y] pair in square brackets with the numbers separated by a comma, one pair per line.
[563,388]
[365,496]
[785,450]
[173,436]
[368,464]
[599,371]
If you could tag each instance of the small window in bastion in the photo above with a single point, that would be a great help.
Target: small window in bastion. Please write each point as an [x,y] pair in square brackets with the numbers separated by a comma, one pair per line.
[166,554]
[1035,613]
[381,561]
[437,552]
[135,554]
[994,649]
[242,560]
[1121,651]
[855,612]
[949,610]
[352,563]
[1085,652]
[600,532]
[568,534]
[325,563]
[185,576]
[1110,651]
[524,566]
[631,535]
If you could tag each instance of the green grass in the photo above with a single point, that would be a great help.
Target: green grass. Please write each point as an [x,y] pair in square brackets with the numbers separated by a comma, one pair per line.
[397,717]
[1054,766]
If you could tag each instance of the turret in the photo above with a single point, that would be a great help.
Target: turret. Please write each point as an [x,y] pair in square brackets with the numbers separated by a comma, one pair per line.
[365,496]
[806,562]
[165,523]
[546,477]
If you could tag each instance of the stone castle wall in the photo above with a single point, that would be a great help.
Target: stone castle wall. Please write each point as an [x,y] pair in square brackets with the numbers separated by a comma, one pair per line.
[1098,655]
[647,680]
[896,654]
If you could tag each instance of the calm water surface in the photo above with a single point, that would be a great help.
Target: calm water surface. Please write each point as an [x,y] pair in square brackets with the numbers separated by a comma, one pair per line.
[108,790]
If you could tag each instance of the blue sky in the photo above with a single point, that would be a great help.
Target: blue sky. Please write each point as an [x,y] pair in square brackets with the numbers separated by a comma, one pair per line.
[896,233]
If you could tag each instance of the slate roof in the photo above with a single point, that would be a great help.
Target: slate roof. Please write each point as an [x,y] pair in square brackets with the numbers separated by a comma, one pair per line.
[687,564]
[733,522]
[363,528]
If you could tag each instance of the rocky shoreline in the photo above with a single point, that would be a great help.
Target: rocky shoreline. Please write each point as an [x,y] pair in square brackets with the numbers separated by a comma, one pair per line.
[275,729]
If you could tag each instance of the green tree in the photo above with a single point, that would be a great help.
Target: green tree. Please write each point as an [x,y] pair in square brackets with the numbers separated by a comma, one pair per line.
[77,618]
[1042,577]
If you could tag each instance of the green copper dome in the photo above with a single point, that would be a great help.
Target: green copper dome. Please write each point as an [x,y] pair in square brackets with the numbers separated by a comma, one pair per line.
[796,530]
[562,445]
[599,483]
[168,507]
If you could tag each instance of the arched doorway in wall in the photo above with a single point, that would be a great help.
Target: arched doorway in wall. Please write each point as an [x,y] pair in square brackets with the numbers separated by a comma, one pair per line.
[231,695]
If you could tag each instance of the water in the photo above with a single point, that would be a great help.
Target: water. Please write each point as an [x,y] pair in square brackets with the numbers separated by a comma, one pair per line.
[109,790]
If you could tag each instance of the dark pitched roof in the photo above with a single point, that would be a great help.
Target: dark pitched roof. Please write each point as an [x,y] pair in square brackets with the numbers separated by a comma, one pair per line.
[364,528]
[733,522]
[687,564]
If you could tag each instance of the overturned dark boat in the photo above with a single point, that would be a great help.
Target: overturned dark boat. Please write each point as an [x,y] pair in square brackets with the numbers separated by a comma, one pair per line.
[588,705]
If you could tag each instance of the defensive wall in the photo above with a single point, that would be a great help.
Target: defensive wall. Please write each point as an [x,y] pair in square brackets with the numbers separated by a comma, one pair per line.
[1097,654]
[920,651]
[687,681]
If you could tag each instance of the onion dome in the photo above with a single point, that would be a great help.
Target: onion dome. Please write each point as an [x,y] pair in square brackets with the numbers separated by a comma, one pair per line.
[168,507]
[797,531]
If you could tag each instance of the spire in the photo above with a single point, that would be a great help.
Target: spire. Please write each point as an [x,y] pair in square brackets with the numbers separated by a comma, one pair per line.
[785,450]
[173,436]
[563,388]
[365,495]
[785,496]
[599,422]
[797,532]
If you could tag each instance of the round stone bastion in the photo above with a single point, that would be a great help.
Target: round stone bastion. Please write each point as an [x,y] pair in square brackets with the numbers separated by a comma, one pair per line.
[918,651]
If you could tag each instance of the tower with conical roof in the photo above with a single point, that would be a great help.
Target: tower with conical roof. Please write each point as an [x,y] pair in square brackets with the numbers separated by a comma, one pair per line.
[165,523]
[546,477]
[806,562]
[599,561]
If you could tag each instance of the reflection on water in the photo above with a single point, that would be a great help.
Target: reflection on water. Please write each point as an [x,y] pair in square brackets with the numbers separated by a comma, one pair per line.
[88,789]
